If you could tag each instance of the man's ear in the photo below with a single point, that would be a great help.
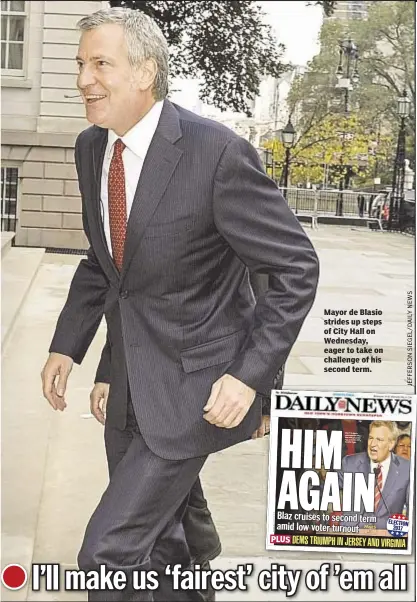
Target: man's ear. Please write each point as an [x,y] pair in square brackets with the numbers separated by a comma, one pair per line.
[145,75]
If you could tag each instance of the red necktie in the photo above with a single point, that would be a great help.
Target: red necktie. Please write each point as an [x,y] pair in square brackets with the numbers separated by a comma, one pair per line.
[378,487]
[117,204]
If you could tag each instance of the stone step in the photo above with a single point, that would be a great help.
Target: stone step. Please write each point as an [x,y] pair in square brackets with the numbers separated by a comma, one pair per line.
[18,269]
[6,242]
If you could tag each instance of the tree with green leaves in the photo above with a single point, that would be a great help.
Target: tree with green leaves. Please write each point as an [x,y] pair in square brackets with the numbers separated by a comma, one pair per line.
[334,146]
[385,42]
[225,45]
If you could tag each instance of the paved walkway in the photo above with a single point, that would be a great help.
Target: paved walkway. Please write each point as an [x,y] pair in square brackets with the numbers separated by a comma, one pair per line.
[53,468]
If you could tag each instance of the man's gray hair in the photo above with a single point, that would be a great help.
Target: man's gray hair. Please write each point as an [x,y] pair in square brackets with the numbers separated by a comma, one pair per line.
[391,426]
[144,40]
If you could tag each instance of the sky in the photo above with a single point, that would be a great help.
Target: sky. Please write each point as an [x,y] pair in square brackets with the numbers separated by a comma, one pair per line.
[295,24]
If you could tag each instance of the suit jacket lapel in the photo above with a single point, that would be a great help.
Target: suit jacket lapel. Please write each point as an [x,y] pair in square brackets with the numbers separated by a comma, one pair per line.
[159,165]
[98,149]
[392,476]
[366,463]
[365,468]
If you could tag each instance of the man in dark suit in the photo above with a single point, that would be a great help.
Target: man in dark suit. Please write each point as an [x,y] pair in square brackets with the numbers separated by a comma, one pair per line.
[392,474]
[200,532]
[177,209]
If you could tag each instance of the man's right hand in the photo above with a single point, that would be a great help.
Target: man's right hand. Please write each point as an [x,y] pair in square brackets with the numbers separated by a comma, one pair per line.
[57,366]
[98,401]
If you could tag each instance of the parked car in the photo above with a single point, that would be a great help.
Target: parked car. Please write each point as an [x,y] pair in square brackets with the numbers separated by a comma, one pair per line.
[381,208]
[409,212]
[378,204]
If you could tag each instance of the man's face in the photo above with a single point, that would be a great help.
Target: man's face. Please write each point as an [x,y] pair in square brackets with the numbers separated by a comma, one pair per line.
[114,93]
[380,443]
[403,448]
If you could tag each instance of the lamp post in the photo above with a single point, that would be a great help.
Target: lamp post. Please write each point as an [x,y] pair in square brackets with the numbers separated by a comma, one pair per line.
[374,150]
[396,203]
[268,154]
[347,74]
[348,58]
[288,139]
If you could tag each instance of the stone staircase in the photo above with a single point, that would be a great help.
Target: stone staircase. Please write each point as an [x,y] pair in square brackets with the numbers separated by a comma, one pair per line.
[19,267]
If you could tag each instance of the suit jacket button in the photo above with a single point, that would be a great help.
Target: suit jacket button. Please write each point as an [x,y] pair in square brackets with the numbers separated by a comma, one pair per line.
[124,294]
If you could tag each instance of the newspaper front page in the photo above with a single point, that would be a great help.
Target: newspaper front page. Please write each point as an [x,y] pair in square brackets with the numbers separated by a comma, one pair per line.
[341,472]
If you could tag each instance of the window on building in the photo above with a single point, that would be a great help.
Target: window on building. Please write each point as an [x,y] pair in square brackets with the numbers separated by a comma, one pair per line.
[13,33]
[9,192]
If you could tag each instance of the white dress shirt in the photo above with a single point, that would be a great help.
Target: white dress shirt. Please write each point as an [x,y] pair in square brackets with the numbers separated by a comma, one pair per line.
[137,141]
[384,468]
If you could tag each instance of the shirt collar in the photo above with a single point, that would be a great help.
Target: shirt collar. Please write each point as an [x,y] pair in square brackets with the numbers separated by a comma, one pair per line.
[139,137]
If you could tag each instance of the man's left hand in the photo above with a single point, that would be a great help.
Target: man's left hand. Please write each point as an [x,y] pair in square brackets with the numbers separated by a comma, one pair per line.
[229,402]
[98,401]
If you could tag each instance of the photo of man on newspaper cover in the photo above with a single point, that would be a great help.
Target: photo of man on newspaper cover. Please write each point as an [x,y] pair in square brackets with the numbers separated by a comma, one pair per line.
[335,478]
[392,475]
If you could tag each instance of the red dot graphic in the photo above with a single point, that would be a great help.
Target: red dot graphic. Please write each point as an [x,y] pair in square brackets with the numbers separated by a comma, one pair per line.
[14,576]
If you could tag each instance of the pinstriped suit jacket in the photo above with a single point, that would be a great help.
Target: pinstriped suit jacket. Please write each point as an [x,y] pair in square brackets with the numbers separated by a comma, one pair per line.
[182,312]
[395,493]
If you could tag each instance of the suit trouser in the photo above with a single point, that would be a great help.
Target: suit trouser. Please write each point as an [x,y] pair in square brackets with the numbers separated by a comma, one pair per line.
[137,525]
[200,531]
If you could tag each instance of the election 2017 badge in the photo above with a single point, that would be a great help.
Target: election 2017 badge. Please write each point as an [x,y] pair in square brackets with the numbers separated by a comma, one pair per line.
[397,525]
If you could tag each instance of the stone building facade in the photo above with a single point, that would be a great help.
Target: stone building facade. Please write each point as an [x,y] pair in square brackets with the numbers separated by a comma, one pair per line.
[39,124]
